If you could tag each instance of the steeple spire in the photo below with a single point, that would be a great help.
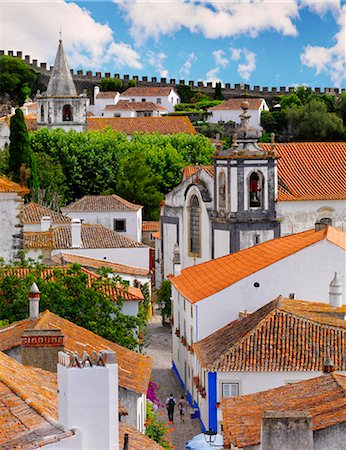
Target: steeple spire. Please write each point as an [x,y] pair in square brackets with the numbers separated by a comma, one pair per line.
[61,82]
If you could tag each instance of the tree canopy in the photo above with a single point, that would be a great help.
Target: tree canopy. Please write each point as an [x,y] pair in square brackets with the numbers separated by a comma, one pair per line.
[17,78]
[110,84]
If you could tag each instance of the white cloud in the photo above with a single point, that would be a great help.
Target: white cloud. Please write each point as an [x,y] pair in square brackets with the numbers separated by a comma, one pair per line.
[157,61]
[35,31]
[212,76]
[214,19]
[220,59]
[330,60]
[186,67]
[246,68]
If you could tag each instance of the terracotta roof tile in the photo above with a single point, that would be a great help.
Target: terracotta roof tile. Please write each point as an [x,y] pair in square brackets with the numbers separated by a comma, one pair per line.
[93,236]
[101,203]
[235,104]
[30,121]
[33,212]
[10,186]
[150,225]
[311,170]
[126,105]
[322,397]
[296,335]
[134,369]
[188,171]
[97,263]
[106,94]
[157,234]
[139,91]
[137,440]
[129,126]
[203,280]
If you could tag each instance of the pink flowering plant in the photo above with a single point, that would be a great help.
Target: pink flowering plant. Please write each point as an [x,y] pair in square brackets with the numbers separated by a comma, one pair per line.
[152,395]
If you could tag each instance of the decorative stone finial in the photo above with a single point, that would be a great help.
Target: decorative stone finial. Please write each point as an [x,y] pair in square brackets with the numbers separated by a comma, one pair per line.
[335,292]
[245,105]
[234,140]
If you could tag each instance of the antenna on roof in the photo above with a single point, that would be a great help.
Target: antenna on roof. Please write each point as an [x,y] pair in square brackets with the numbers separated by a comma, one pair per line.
[60,33]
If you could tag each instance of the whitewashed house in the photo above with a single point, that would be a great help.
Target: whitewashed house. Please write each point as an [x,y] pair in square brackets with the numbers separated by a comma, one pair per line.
[126,108]
[208,296]
[230,110]
[11,204]
[36,217]
[111,211]
[281,343]
[101,100]
[252,193]
[166,97]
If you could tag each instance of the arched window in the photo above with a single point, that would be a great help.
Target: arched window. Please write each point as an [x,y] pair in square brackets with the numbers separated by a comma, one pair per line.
[195,242]
[67,113]
[42,113]
[222,191]
[326,221]
[255,191]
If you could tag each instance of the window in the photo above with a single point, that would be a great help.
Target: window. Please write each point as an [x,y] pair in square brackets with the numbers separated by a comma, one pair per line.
[222,190]
[194,227]
[191,312]
[133,99]
[230,389]
[67,113]
[119,225]
[42,113]
[255,191]
[158,101]
[117,115]
[257,239]
[326,221]
[143,99]
[191,335]
[172,100]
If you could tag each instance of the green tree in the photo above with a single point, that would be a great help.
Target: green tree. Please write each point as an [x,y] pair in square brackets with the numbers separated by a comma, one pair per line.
[185,93]
[288,101]
[110,84]
[20,150]
[155,428]
[68,294]
[14,75]
[132,83]
[218,91]
[139,185]
[342,107]
[163,299]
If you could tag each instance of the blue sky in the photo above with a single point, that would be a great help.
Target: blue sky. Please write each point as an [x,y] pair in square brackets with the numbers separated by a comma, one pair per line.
[266,43]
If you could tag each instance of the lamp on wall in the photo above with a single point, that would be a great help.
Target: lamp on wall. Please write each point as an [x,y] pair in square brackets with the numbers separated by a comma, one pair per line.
[210,436]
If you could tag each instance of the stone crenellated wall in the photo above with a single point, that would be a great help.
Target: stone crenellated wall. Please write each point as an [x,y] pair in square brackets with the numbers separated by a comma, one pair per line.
[88,79]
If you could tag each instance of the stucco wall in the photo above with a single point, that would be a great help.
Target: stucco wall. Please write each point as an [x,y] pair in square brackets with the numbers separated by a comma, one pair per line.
[10,207]
[165,100]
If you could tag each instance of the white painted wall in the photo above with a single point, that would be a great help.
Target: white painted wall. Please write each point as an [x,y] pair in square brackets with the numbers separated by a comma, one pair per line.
[53,107]
[128,114]
[222,242]
[299,216]
[306,273]
[248,237]
[10,208]
[130,308]
[167,102]
[133,220]
[4,135]
[226,115]
[158,264]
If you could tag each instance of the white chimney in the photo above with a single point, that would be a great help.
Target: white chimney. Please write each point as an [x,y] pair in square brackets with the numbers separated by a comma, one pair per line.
[13,110]
[335,292]
[25,110]
[88,398]
[45,223]
[76,233]
[34,302]
[96,91]
[176,261]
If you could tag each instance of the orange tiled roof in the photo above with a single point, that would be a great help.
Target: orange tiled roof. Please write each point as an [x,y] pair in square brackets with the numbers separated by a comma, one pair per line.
[157,234]
[161,125]
[150,225]
[322,397]
[97,263]
[93,236]
[235,104]
[137,440]
[30,121]
[114,292]
[311,170]
[101,203]
[106,94]
[33,212]
[148,91]
[297,335]
[188,171]
[10,186]
[126,105]
[134,369]
[203,280]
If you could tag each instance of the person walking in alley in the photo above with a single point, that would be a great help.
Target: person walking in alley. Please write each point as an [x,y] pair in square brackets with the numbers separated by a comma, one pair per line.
[182,405]
[170,404]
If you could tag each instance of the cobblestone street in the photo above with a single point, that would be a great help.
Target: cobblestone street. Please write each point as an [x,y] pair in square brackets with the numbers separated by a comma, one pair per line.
[158,342]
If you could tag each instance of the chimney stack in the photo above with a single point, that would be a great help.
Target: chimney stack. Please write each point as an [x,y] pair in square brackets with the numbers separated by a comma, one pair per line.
[34,302]
[76,233]
[96,91]
[320,226]
[45,223]
[176,261]
[328,365]
[335,292]
[88,397]
[286,430]
[40,348]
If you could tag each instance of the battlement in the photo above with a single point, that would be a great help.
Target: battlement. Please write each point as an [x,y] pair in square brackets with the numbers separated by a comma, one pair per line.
[89,78]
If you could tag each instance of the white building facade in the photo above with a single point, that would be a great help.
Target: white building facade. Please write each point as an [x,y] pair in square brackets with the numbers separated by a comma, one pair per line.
[231,109]
[166,97]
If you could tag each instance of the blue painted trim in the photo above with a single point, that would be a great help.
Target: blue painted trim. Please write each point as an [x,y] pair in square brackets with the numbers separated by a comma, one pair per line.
[175,370]
[212,399]
[196,324]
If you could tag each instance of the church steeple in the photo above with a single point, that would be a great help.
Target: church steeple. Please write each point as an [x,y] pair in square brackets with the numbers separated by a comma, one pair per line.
[61,82]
